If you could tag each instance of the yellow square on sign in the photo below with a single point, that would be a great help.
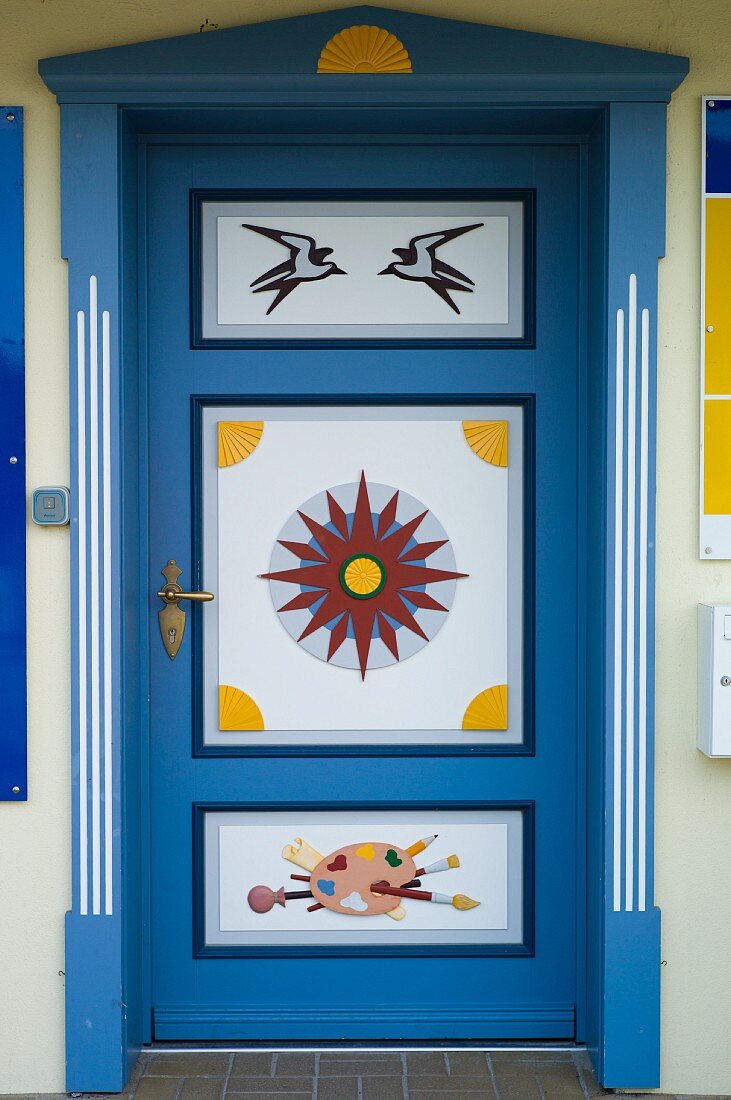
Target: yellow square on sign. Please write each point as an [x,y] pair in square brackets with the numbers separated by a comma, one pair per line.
[717,458]
[718,299]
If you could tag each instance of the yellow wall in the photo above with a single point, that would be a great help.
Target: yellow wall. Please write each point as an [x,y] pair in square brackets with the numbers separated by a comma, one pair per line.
[693,793]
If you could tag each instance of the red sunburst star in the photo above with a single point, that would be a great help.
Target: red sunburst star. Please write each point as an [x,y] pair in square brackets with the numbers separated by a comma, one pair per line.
[363,576]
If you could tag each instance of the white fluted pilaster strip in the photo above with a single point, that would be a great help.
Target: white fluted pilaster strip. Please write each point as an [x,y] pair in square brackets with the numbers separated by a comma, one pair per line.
[630,684]
[107,618]
[631,505]
[642,632]
[94,612]
[82,537]
[618,607]
[95,668]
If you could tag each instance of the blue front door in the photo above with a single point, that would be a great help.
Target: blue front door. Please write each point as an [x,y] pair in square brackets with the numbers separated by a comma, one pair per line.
[266,763]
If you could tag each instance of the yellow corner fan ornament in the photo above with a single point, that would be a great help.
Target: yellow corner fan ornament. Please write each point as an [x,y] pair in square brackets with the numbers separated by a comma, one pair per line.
[364,50]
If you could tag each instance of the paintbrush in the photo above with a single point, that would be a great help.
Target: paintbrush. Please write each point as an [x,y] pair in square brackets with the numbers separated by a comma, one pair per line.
[440,865]
[420,845]
[459,901]
[262,898]
[405,886]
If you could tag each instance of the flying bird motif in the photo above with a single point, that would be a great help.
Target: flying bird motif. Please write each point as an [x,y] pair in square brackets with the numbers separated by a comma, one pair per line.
[419,263]
[306,263]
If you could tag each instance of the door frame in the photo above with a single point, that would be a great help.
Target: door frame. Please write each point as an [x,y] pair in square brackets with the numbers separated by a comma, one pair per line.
[612,103]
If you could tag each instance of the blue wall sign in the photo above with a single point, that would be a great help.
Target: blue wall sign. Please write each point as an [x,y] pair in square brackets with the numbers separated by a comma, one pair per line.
[13,761]
[718,146]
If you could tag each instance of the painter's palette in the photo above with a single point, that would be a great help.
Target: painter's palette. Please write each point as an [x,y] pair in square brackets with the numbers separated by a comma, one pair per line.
[342,881]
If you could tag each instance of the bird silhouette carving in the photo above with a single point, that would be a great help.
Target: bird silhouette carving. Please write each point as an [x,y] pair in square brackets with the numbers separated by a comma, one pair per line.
[420,263]
[306,264]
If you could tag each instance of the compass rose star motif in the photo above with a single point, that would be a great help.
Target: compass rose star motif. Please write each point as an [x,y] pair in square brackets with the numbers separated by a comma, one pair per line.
[363,576]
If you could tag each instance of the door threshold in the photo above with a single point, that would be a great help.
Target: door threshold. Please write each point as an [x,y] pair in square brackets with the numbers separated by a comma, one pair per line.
[167,1047]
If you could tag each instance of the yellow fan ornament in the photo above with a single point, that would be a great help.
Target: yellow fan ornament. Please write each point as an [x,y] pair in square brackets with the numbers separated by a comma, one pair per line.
[488,439]
[237,439]
[488,710]
[237,710]
[364,50]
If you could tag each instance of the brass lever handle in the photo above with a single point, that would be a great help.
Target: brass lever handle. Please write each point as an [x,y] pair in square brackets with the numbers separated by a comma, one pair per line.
[171,593]
[172,617]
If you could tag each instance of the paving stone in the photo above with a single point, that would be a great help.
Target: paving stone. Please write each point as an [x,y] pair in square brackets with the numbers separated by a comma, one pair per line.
[419,1094]
[274,1086]
[140,1066]
[519,1072]
[253,1063]
[426,1062]
[517,1082]
[459,1085]
[582,1061]
[202,1088]
[381,1088]
[374,1056]
[469,1063]
[157,1088]
[509,1058]
[340,1088]
[256,1095]
[365,1067]
[294,1065]
[559,1081]
[187,1065]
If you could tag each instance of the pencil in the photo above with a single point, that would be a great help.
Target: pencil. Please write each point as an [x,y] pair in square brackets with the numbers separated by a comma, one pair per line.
[420,845]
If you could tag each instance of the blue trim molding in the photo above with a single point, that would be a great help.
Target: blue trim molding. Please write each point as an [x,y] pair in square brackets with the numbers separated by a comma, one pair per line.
[261,79]
[95,1013]
[13,732]
[454,62]
[631,964]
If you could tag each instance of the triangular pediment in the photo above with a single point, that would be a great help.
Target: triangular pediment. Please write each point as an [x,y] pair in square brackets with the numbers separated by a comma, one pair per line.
[460,53]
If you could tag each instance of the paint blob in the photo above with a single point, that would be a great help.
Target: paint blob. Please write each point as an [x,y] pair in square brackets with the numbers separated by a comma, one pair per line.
[327,886]
[354,901]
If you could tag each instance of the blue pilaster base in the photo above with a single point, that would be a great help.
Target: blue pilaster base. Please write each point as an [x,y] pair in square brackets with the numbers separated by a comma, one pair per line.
[631,1040]
[96,1054]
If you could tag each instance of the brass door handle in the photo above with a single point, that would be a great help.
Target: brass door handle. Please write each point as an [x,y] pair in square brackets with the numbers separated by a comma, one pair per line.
[171,593]
[172,617]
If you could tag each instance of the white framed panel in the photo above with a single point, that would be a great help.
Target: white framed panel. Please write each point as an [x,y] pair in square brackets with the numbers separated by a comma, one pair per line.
[478,645]
[363,270]
[242,849]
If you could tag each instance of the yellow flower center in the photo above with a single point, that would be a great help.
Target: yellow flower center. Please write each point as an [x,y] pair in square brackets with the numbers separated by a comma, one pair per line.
[362,576]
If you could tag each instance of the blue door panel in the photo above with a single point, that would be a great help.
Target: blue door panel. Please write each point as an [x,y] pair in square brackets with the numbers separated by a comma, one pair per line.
[267,997]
